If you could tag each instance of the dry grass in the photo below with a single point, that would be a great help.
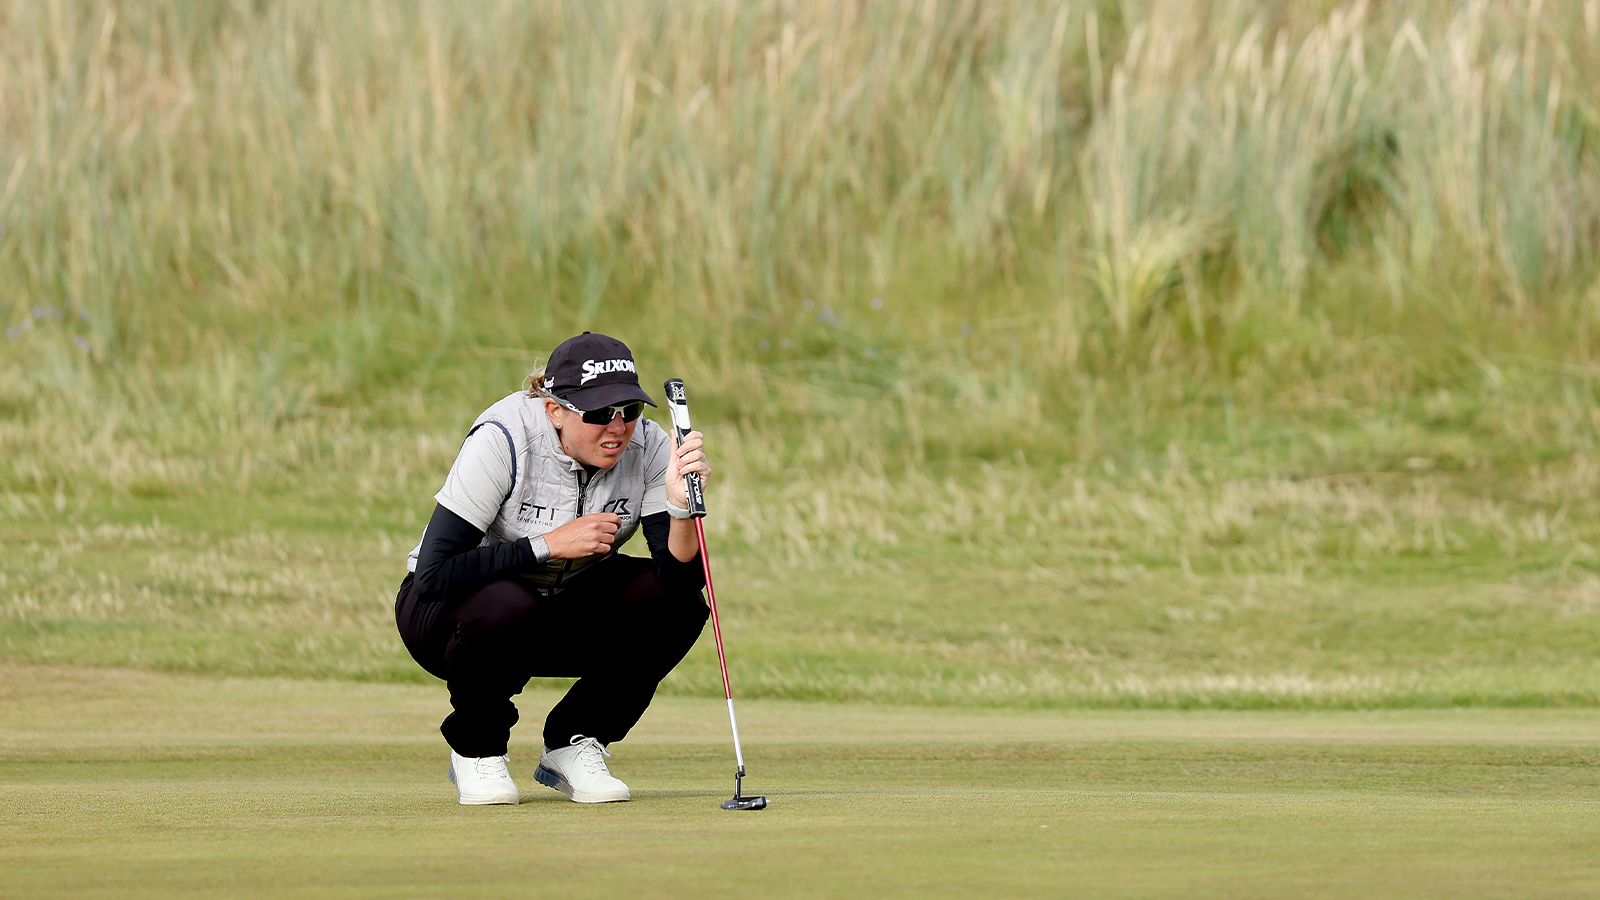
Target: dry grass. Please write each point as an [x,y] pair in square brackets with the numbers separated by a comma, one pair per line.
[1138,298]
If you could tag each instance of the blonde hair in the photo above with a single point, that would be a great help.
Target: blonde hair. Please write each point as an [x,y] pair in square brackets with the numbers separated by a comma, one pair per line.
[534,383]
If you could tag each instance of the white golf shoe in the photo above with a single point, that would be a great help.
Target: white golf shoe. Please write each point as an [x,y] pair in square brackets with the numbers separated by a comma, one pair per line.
[482,780]
[579,771]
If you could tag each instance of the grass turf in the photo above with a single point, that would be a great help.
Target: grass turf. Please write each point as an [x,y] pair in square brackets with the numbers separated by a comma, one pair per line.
[1037,369]
[133,784]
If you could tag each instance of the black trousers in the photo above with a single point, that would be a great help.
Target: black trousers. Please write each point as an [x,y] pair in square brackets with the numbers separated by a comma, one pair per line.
[615,628]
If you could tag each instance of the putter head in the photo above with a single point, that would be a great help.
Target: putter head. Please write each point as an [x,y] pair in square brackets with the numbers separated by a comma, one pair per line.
[745,803]
[742,802]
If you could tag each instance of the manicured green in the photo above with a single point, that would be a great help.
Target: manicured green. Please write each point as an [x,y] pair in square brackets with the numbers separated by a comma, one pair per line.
[125,784]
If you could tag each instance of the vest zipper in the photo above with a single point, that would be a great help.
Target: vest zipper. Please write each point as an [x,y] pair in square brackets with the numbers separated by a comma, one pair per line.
[566,566]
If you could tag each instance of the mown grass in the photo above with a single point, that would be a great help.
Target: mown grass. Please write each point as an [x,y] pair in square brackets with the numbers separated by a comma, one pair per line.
[1053,353]
[133,784]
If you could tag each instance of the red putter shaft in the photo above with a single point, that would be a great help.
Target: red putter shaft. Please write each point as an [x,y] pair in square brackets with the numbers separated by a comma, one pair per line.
[711,593]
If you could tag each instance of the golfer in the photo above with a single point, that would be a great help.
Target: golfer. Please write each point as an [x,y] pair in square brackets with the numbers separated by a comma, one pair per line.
[518,573]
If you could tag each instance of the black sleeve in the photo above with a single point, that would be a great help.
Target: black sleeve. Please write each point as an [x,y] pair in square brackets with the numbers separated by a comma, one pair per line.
[450,558]
[672,574]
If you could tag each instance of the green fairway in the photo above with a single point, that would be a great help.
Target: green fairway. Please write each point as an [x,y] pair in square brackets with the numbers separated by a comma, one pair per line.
[130,784]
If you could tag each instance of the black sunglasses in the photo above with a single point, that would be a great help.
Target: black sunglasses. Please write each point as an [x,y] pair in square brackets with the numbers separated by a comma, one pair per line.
[604,415]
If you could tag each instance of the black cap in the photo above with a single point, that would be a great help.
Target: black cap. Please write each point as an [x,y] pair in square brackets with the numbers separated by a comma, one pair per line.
[593,371]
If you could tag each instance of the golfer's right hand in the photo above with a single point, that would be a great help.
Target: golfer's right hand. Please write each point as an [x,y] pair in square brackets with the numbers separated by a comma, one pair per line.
[583,536]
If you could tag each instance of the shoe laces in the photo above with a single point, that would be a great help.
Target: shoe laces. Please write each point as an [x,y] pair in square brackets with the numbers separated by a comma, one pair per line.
[492,766]
[591,753]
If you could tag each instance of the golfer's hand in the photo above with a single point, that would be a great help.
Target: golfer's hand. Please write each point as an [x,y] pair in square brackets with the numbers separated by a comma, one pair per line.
[689,456]
[583,536]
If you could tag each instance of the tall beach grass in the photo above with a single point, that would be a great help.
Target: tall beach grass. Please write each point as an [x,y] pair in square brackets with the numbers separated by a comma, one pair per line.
[1209,290]
[301,204]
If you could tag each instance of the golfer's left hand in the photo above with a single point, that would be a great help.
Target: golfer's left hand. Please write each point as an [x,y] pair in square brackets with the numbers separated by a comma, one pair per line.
[688,456]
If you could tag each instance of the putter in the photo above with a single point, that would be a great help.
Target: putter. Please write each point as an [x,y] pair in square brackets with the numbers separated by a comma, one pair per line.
[678,406]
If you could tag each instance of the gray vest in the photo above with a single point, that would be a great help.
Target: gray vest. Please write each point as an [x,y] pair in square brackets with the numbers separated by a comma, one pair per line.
[550,488]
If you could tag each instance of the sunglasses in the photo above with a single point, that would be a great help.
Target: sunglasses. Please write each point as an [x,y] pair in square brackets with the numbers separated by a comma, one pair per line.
[604,415]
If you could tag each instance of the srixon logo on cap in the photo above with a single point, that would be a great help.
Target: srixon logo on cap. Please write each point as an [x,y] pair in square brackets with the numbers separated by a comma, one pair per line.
[593,369]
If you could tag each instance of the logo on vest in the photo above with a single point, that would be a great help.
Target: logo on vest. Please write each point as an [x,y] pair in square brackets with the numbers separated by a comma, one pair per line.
[593,369]
[618,506]
[533,512]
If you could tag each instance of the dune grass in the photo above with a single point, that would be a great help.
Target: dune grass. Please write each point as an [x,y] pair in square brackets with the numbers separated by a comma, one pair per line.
[1053,353]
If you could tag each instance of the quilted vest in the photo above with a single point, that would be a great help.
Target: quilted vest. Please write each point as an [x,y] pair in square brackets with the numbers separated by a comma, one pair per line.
[550,488]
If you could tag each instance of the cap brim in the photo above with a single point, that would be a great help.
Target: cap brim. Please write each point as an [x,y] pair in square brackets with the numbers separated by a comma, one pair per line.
[603,395]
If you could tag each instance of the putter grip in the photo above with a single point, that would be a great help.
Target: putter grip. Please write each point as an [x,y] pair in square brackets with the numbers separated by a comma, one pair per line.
[678,407]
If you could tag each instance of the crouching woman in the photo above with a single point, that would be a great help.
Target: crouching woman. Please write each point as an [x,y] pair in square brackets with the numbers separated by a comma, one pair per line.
[518,572]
